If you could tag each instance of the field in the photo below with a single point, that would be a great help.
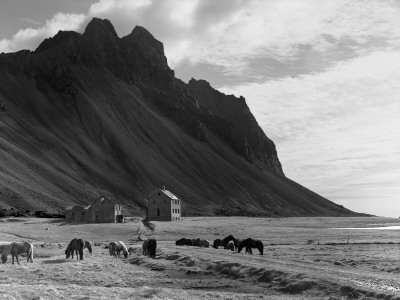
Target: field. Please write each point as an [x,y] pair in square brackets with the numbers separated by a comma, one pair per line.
[304,258]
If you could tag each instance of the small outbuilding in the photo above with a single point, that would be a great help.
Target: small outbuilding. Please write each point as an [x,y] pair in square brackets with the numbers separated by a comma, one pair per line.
[101,210]
[163,205]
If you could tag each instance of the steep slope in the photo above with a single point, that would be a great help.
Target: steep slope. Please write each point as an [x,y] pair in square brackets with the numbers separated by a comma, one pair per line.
[92,113]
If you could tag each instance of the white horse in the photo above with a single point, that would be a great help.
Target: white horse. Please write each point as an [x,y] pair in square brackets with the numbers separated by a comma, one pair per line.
[18,248]
[121,247]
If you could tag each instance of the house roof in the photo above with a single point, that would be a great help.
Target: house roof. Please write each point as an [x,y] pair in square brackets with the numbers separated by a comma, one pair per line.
[169,194]
[101,198]
[71,207]
[104,198]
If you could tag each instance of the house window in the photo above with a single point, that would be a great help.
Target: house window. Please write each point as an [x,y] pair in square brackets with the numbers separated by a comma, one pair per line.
[158,212]
[83,213]
[159,194]
[73,214]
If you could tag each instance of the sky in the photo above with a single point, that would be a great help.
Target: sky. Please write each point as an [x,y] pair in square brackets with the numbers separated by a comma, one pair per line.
[322,78]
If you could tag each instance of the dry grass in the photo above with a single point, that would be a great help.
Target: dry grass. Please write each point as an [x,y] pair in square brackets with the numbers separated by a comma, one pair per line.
[294,265]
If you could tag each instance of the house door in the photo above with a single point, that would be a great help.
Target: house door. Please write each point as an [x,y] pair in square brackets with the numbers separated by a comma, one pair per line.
[158,212]
[97,219]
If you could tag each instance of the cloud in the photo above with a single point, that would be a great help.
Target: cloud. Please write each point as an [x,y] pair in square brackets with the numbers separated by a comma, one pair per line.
[234,35]
[30,38]
[336,131]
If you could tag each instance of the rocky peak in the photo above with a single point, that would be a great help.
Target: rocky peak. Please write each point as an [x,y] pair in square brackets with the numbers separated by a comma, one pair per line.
[147,46]
[98,28]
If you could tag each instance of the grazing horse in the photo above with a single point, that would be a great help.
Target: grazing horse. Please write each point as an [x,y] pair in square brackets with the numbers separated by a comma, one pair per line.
[131,250]
[152,248]
[145,247]
[195,242]
[184,242]
[112,248]
[75,245]
[18,248]
[229,238]
[231,246]
[216,243]
[204,243]
[121,247]
[250,243]
[88,245]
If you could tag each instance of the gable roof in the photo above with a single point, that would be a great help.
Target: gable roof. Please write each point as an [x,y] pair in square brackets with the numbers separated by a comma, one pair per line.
[101,198]
[71,207]
[169,194]
[104,198]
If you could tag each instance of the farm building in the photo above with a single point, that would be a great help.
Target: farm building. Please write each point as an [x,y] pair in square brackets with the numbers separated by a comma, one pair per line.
[101,210]
[163,205]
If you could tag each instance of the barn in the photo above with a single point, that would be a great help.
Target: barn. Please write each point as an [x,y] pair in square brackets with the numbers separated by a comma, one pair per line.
[101,210]
[163,205]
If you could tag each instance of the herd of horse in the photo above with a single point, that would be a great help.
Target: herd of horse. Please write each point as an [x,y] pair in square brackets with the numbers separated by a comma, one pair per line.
[149,247]
[230,242]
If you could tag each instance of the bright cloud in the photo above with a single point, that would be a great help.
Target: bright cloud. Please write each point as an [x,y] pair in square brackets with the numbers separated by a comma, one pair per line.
[341,125]
[30,38]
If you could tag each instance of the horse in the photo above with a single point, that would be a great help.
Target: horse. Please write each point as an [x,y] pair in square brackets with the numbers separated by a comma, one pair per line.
[152,248]
[75,245]
[121,247]
[250,243]
[204,243]
[112,248]
[17,248]
[229,238]
[216,243]
[145,247]
[231,246]
[184,242]
[88,245]
[131,250]
[195,242]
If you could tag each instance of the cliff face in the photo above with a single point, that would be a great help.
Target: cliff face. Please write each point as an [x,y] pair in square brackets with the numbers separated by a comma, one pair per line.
[92,113]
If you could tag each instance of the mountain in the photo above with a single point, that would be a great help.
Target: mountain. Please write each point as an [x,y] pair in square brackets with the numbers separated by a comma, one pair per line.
[93,114]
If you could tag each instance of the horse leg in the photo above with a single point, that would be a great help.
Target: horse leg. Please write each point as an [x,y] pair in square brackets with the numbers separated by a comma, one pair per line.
[80,254]
[12,255]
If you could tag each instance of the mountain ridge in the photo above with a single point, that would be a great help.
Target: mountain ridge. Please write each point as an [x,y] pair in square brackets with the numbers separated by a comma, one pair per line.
[90,114]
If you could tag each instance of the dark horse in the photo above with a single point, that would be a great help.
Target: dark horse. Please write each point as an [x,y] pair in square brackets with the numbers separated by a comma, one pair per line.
[184,242]
[75,245]
[250,243]
[216,243]
[229,238]
[152,248]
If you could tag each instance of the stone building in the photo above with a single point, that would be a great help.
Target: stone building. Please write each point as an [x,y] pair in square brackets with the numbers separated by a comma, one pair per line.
[101,210]
[163,205]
